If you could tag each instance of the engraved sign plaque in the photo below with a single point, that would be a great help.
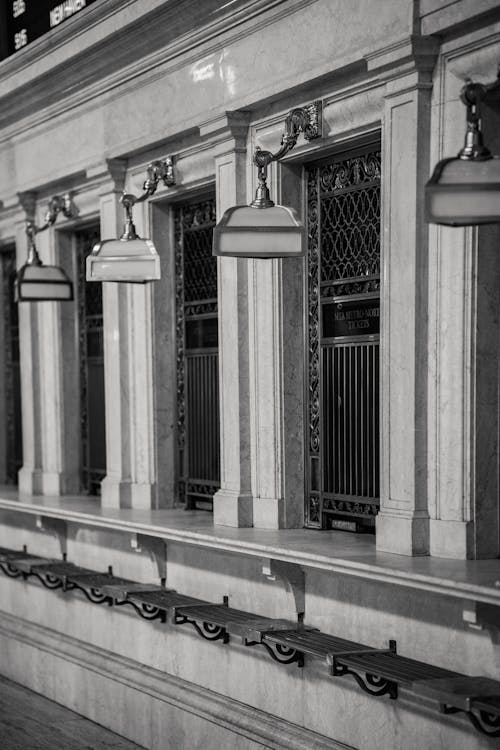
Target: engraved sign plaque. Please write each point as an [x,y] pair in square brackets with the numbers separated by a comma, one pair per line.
[351,318]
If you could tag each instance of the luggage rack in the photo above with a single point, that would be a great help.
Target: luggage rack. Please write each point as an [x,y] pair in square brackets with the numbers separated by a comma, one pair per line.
[377,671]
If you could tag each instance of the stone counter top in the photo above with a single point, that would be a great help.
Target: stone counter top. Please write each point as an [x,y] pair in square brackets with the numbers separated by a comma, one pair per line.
[332,551]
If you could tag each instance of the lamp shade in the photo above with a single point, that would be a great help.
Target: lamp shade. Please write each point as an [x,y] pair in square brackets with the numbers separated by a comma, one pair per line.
[251,232]
[464,192]
[133,260]
[36,282]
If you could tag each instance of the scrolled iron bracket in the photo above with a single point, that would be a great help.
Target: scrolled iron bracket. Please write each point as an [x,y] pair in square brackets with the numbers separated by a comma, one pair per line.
[484,722]
[369,682]
[146,611]
[306,120]
[57,204]
[283,654]
[209,631]
[157,171]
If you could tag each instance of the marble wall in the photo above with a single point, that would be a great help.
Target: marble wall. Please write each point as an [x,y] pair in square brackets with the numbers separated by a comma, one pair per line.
[387,79]
[308,698]
[208,94]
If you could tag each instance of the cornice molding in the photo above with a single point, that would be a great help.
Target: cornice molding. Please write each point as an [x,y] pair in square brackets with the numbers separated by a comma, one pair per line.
[107,64]
[226,132]
[112,171]
[418,53]
[27,201]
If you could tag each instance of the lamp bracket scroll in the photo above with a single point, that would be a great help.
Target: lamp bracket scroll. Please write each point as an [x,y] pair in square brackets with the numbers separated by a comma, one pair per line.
[57,204]
[472,95]
[306,120]
[159,170]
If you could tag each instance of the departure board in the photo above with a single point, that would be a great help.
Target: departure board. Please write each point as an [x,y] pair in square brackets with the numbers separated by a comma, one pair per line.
[23,21]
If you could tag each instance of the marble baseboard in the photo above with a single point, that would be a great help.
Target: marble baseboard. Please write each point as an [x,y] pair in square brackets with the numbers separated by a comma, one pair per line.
[52,483]
[402,535]
[453,539]
[231,509]
[150,707]
[268,513]
[116,493]
[30,481]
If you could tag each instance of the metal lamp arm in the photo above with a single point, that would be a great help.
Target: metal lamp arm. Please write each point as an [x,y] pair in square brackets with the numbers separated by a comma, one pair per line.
[57,204]
[472,95]
[306,120]
[156,171]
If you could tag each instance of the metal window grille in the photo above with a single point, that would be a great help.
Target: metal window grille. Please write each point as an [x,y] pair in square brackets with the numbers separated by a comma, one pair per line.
[343,308]
[197,355]
[91,350]
[12,382]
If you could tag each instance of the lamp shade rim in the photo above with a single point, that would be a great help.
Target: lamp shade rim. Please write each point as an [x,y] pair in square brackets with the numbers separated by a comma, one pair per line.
[100,244]
[443,163]
[261,233]
[24,287]
[291,212]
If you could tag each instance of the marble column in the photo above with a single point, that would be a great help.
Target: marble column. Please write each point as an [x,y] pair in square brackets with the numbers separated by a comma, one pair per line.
[30,474]
[59,443]
[464,343]
[128,370]
[276,340]
[403,521]
[233,502]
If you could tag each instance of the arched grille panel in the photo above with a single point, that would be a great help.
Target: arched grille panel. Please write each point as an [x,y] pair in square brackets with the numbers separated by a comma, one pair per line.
[12,376]
[91,349]
[197,355]
[343,307]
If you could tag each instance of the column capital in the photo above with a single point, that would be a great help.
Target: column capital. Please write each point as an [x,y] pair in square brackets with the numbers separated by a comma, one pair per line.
[413,53]
[227,131]
[27,201]
[109,175]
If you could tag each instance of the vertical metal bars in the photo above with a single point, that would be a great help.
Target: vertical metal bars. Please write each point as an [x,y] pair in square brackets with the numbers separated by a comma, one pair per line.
[343,287]
[91,350]
[197,354]
[350,379]
[12,382]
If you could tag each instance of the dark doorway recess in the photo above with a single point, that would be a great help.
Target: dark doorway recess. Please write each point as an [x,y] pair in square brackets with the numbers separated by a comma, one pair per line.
[12,376]
[91,353]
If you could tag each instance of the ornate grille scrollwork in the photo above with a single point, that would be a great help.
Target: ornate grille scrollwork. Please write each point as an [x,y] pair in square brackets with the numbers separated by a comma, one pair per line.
[90,328]
[343,221]
[197,352]
[13,436]
[313,507]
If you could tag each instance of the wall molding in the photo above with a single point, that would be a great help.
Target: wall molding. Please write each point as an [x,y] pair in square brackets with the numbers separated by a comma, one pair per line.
[255,725]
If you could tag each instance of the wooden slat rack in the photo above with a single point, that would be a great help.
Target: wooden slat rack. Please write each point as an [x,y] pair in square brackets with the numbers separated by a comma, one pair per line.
[377,671]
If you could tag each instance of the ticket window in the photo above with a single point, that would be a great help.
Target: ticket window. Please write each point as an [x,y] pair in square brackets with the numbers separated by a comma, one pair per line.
[197,354]
[10,381]
[91,365]
[343,309]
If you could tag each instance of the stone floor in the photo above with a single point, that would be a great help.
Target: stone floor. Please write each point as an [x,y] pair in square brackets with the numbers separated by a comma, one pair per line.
[29,721]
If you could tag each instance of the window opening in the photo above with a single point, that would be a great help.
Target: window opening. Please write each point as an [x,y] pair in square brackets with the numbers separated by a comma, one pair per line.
[197,354]
[91,352]
[343,308]
[12,375]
